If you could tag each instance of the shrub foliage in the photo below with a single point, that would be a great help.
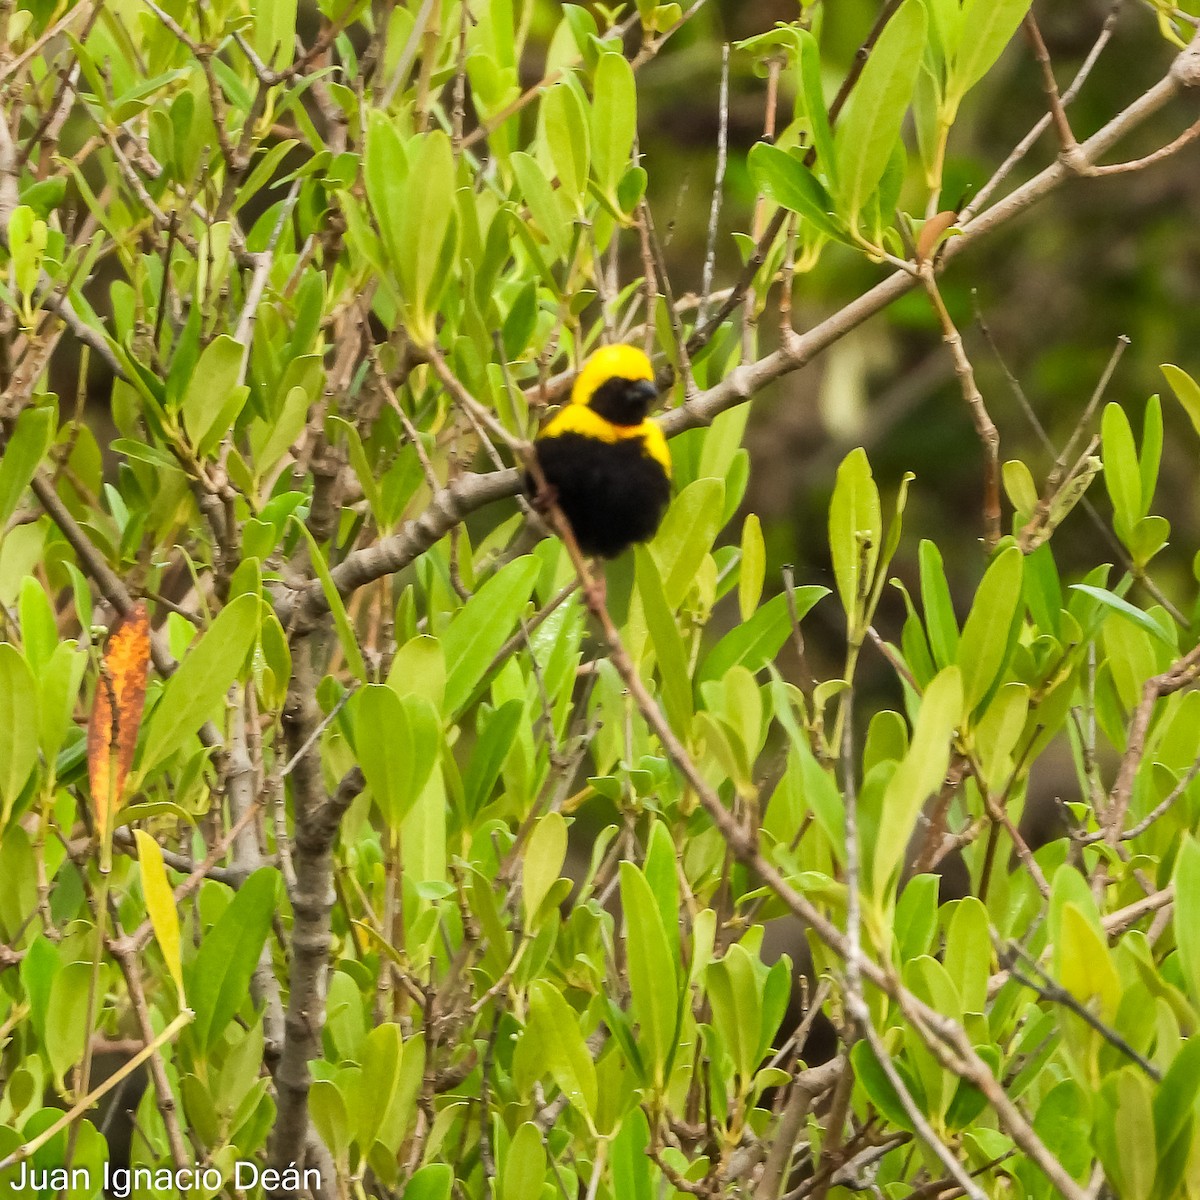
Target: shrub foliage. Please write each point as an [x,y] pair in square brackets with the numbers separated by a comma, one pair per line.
[412,860]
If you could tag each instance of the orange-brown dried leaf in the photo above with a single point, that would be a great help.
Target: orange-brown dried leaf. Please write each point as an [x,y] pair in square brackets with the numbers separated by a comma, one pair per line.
[931,233]
[117,714]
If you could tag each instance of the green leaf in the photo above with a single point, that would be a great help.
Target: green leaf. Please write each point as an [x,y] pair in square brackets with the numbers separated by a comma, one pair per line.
[26,448]
[653,982]
[879,1088]
[1124,609]
[674,676]
[632,1179]
[218,980]
[1123,1134]
[474,637]
[866,134]
[855,529]
[213,397]
[378,1088]
[939,610]
[793,186]
[920,773]
[524,1169]
[496,733]
[282,433]
[39,630]
[563,1049]
[985,28]
[968,956]
[1122,474]
[813,98]
[686,536]
[432,1182]
[662,874]
[1187,914]
[193,694]
[614,120]
[337,608]
[567,138]
[66,1017]
[990,629]
[753,566]
[397,743]
[18,727]
[1150,457]
[1187,392]
[1086,968]
[737,1008]
[755,642]
[542,863]
[275,31]
[160,905]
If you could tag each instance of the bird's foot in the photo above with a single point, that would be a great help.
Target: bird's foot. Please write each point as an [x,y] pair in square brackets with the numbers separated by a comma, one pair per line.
[545,497]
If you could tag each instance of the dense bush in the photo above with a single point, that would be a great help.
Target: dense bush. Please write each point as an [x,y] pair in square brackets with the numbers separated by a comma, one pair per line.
[413,862]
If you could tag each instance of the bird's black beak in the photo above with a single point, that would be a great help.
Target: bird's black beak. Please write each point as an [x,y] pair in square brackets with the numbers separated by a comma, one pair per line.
[644,392]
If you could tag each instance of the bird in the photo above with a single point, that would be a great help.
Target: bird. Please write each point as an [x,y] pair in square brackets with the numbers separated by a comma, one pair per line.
[605,463]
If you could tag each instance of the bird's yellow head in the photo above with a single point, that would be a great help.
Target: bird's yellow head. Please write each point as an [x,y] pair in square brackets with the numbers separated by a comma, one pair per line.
[617,382]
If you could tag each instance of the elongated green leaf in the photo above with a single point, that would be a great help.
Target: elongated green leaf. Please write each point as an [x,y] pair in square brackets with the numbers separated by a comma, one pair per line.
[542,862]
[525,1164]
[668,645]
[218,981]
[755,642]
[211,389]
[18,726]
[397,743]
[1150,458]
[1186,390]
[337,608]
[1187,914]
[737,1008]
[66,1017]
[793,186]
[989,631]
[686,536]
[196,690]
[1124,609]
[662,874]
[160,904]
[614,120]
[29,442]
[475,635]
[855,530]
[939,610]
[815,111]
[653,982]
[275,31]
[1122,474]
[568,140]
[565,1053]
[378,1088]
[752,568]
[432,1182]
[869,127]
[1123,1134]
[920,772]
[987,26]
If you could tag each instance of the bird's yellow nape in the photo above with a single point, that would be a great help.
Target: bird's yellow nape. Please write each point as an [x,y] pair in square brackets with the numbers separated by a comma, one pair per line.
[610,362]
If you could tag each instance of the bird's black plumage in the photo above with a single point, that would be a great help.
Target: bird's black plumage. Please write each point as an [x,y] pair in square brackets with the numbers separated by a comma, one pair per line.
[613,493]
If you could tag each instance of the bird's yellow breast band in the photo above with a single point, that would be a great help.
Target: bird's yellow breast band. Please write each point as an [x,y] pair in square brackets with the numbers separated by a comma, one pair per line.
[578,418]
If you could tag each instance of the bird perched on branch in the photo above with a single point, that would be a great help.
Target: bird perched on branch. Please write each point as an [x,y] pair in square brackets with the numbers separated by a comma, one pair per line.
[606,465]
